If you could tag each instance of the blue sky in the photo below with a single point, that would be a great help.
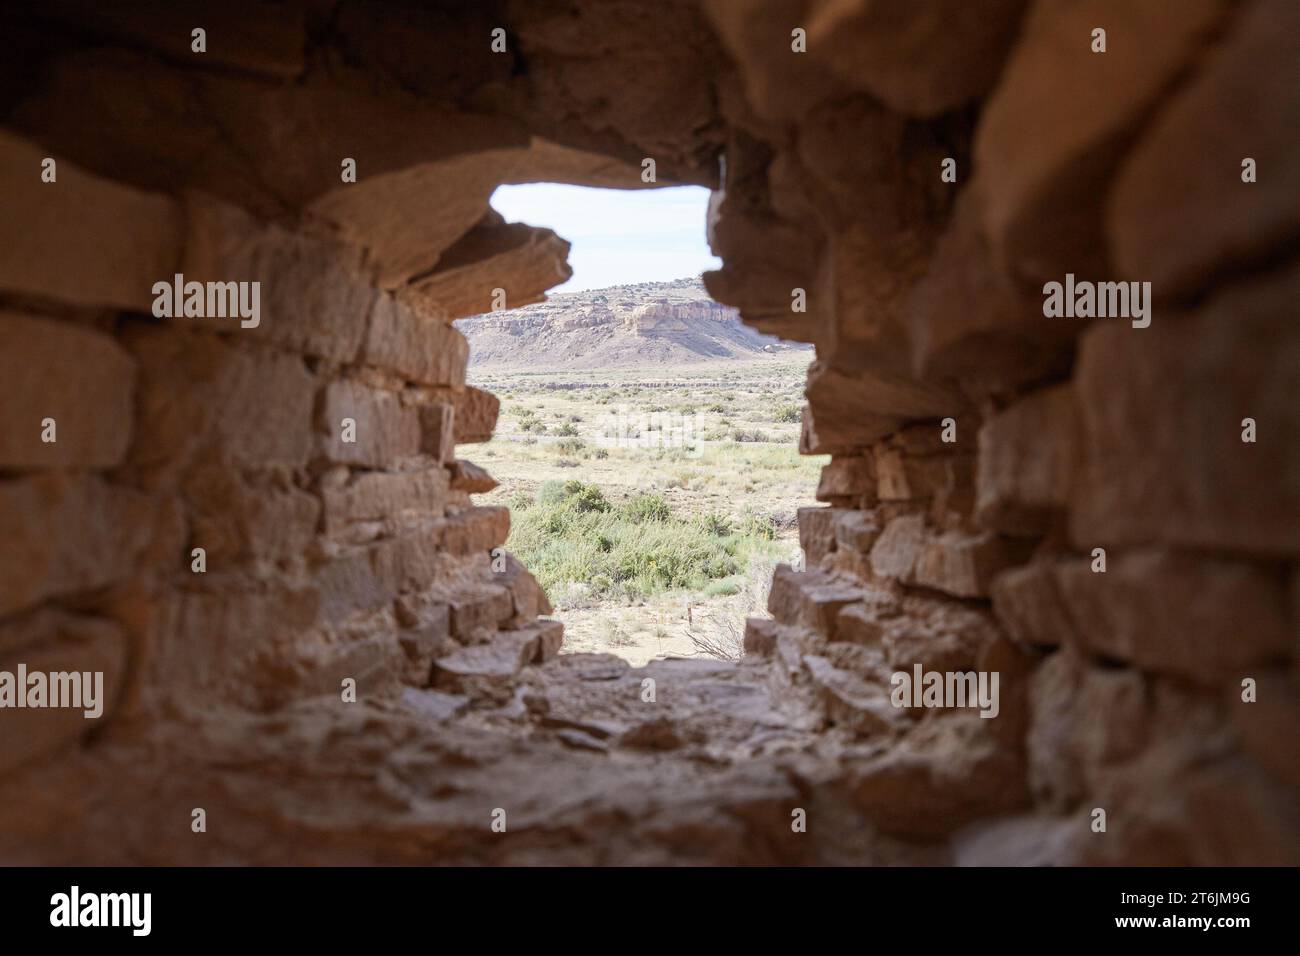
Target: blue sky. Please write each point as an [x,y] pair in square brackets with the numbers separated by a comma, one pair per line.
[619,236]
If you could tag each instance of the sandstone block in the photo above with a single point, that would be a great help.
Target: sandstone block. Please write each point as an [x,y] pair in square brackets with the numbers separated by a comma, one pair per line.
[1267,726]
[409,216]
[366,577]
[851,702]
[425,635]
[238,521]
[382,501]
[419,347]
[1196,617]
[484,607]
[216,646]
[1179,213]
[856,530]
[74,226]
[199,396]
[937,633]
[858,624]
[1028,604]
[438,431]
[356,579]
[1015,667]
[760,636]
[80,378]
[314,297]
[268,38]
[474,530]
[469,477]
[476,415]
[809,598]
[64,534]
[528,597]
[778,88]
[386,430]
[1028,458]
[1113,716]
[366,651]
[846,480]
[435,705]
[851,411]
[65,643]
[1055,760]
[1162,411]
[817,532]
[910,56]
[523,261]
[764,255]
[904,477]
[896,551]
[1083,722]
[939,777]
[1044,167]
[970,323]
[827,433]
[964,565]
[550,638]
[483,669]
[1236,815]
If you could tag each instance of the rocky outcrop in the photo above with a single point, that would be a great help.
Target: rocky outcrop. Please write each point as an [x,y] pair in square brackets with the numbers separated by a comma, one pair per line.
[259,529]
[650,324]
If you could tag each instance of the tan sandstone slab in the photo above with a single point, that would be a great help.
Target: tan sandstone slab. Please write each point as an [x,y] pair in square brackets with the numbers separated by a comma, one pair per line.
[80,378]
[65,240]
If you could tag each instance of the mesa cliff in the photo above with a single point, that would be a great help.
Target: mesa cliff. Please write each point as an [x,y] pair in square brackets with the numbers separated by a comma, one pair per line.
[314,648]
[652,324]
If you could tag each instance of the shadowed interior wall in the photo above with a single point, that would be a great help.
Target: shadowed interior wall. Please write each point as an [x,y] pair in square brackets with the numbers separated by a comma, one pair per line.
[987,461]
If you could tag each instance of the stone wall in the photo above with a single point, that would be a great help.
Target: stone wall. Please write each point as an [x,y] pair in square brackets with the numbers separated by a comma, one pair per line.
[1092,519]
[202,533]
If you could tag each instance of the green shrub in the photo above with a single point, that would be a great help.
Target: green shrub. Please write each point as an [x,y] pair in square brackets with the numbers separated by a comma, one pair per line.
[571,536]
[787,413]
[574,494]
[551,492]
[724,587]
[646,507]
[760,527]
[716,524]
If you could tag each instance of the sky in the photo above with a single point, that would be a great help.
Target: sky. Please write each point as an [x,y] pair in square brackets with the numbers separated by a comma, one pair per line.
[619,236]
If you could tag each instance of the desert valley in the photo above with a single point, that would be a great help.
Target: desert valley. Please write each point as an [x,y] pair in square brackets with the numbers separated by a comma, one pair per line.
[653,482]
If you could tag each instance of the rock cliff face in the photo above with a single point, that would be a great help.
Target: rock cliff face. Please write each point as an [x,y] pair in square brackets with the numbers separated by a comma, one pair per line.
[264,538]
[653,323]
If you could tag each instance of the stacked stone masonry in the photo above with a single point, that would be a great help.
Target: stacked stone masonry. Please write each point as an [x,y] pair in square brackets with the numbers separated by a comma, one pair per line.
[206,533]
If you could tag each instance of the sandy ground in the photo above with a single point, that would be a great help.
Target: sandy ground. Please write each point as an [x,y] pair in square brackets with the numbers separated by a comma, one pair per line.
[663,628]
